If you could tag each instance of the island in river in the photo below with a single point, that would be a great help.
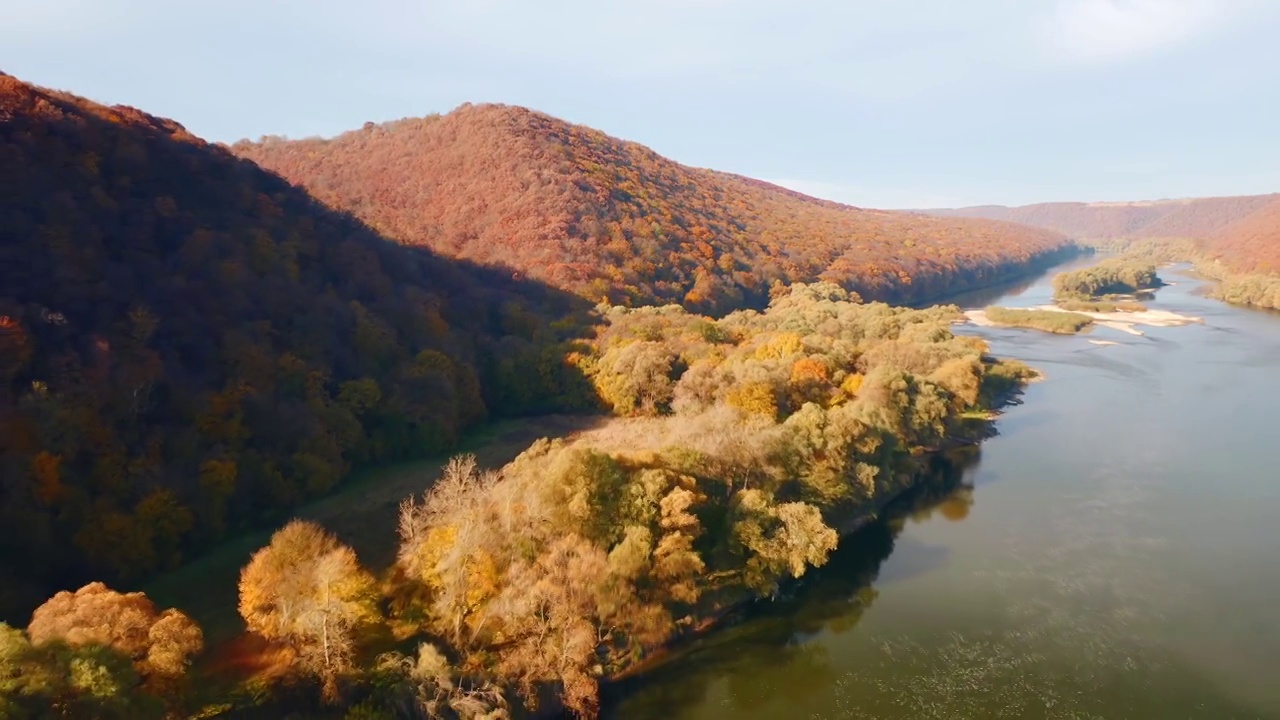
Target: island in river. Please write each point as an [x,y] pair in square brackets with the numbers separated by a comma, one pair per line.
[1125,321]
[1109,554]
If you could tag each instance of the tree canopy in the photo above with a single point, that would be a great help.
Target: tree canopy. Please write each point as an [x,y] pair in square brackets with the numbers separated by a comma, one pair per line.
[189,345]
[614,220]
[752,440]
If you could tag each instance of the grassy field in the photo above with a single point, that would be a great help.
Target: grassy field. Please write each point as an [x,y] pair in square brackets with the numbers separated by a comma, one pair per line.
[362,513]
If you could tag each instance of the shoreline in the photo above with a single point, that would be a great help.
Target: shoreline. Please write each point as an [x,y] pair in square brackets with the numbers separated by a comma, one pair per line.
[846,528]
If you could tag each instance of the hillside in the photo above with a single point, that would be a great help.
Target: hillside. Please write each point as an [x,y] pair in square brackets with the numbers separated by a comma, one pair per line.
[608,218]
[1193,218]
[1252,244]
[189,345]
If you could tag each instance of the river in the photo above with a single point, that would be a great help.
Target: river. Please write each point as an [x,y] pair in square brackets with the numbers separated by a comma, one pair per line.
[1113,553]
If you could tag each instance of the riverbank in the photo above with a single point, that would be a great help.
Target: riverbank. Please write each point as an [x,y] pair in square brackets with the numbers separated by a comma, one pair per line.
[768,447]
[726,614]
[931,463]
[1081,573]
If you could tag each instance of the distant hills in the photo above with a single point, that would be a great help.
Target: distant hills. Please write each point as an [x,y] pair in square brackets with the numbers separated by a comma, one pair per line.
[1192,218]
[1243,232]
[612,219]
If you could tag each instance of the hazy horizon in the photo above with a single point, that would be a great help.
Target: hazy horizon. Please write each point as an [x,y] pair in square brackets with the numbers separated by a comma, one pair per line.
[936,105]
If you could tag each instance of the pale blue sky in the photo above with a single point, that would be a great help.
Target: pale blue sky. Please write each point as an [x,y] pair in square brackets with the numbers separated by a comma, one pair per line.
[906,103]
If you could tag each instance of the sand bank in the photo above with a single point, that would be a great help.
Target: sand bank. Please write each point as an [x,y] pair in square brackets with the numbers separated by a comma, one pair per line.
[1125,322]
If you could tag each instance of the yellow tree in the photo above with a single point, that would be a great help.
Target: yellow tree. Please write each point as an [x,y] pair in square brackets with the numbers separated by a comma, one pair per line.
[308,591]
[562,613]
[448,547]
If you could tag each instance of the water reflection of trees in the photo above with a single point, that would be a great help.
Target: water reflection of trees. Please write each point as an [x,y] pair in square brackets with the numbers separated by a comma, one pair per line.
[764,656]
[983,297]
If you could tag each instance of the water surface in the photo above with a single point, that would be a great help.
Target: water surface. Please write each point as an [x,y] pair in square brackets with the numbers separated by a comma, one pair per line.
[1113,553]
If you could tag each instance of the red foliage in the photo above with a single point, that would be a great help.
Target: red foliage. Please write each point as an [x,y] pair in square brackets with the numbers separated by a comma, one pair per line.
[1194,218]
[604,217]
[190,345]
[1251,244]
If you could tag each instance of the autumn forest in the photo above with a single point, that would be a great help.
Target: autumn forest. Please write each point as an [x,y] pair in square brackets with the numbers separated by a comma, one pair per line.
[196,340]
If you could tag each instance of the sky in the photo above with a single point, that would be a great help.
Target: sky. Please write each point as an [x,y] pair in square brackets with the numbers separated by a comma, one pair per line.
[904,104]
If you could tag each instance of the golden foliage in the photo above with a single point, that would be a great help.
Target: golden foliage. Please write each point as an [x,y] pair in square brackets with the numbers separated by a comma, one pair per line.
[851,384]
[757,398]
[160,644]
[779,347]
[308,591]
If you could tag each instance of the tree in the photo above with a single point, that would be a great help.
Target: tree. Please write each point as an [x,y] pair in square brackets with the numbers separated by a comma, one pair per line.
[636,378]
[561,612]
[445,546]
[781,540]
[27,676]
[55,680]
[308,591]
[437,690]
[160,644]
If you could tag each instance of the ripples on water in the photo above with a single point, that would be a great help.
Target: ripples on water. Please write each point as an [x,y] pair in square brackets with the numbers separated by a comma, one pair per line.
[1075,629]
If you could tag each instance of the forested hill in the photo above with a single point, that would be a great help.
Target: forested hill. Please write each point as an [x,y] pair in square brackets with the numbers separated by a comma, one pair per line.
[189,344]
[608,218]
[1193,218]
[1251,244]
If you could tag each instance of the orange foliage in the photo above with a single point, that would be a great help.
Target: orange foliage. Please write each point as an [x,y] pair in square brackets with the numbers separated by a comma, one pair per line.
[1243,232]
[44,469]
[1194,218]
[189,344]
[592,213]
[1253,243]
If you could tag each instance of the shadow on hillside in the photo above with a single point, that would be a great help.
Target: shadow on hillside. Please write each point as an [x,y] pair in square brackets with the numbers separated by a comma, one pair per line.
[106,210]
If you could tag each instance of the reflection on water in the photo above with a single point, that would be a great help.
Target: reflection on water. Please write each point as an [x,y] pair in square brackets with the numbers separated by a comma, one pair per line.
[1021,292]
[1111,555]
[748,655]
[1075,633]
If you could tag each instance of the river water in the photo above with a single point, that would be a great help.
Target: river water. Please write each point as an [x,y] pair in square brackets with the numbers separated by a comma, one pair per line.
[1113,553]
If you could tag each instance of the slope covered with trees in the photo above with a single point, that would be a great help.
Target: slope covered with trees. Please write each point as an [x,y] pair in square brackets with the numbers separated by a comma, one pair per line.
[190,345]
[754,441]
[1251,245]
[1192,218]
[612,219]
[1234,240]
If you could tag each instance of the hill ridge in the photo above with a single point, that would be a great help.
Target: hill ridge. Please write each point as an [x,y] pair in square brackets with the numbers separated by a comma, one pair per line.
[1197,217]
[611,218]
[190,345]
